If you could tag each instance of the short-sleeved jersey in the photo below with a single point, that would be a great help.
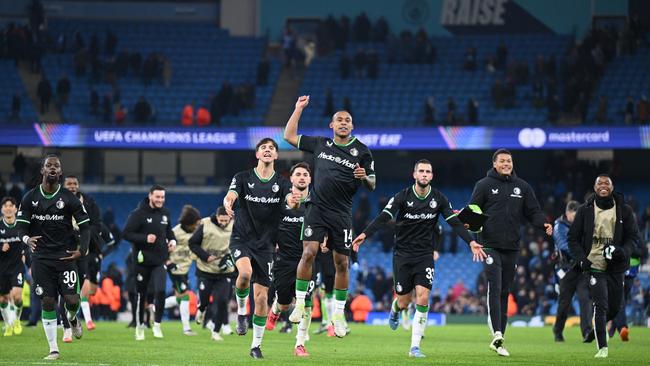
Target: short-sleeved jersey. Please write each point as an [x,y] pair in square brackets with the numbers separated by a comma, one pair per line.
[416,219]
[50,216]
[288,238]
[334,182]
[11,259]
[257,209]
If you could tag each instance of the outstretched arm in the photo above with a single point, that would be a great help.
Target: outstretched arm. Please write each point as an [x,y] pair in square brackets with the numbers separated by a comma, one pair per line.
[291,130]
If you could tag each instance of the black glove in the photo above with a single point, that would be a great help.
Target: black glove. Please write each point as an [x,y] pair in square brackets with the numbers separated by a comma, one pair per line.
[613,254]
[585,265]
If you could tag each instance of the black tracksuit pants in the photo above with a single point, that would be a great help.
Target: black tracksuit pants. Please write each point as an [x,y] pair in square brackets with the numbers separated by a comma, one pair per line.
[573,282]
[500,269]
[606,290]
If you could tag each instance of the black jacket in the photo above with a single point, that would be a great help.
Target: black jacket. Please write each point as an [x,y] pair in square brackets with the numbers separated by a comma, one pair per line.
[145,220]
[96,240]
[507,200]
[626,233]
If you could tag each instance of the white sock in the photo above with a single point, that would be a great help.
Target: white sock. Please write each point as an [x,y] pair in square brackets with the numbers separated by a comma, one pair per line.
[241,305]
[185,314]
[6,316]
[171,302]
[418,326]
[258,334]
[275,308]
[49,325]
[303,328]
[339,307]
[300,297]
[85,309]
[329,303]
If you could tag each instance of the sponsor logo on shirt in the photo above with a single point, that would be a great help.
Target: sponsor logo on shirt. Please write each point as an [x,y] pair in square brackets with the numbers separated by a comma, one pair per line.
[328,143]
[251,185]
[495,191]
[293,219]
[47,217]
[13,239]
[337,160]
[255,199]
[149,220]
[422,216]
[409,204]
[34,203]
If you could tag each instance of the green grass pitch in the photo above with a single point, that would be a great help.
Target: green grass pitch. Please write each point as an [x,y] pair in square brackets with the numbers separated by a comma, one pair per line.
[114,344]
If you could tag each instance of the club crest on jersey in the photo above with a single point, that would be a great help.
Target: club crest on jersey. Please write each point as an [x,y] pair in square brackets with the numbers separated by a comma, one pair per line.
[38,290]
[275,188]
[592,281]
[183,287]
[139,278]
[308,232]
[237,253]
[517,190]
[164,220]
[354,152]
[398,287]
[495,191]
[251,185]
[60,204]
[433,204]
[489,260]
[201,286]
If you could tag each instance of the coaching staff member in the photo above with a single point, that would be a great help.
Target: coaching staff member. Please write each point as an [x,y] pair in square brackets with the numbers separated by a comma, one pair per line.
[602,237]
[508,200]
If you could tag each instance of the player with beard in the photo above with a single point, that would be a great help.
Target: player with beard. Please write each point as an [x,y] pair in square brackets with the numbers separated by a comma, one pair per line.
[45,222]
[342,164]
[416,210]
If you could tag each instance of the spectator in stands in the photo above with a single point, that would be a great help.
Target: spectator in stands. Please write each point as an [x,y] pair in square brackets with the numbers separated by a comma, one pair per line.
[95,69]
[247,96]
[421,43]
[16,192]
[263,71]
[491,64]
[470,59]
[107,110]
[554,109]
[289,46]
[149,68]
[345,66]
[430,111]
[360,63]
[80,61]
[93,47]
[63,88]
[44,91]
[380,30]
[509,93]
[203,117]
[361,28]
[328,111]
[498,94]
[142,110]
[601,112]
[187,117]
[215,111]
[15,107]
[472,111]
[120,114]
[135,60]
[373,65]
[94,102]
[643,110]
[393,49]
[540,67]
[629,110]
[347,104]
[502,56]
[110,43]
[382,290]
[122,63]
[451,111]
[20,164]
[224,97]
[110,71]
[166,71]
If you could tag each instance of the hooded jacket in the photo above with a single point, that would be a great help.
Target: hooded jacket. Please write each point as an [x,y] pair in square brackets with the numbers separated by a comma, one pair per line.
[508,200]
[626,233]
[143,221]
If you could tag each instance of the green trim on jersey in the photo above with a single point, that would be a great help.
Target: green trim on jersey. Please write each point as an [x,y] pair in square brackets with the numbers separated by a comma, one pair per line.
[420,197]
[25,221]
[8,224]
[46,196]
[83,222]
[352,139]
[388,212]
[450,216]
[233,191]
[298,144]
[262,179]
